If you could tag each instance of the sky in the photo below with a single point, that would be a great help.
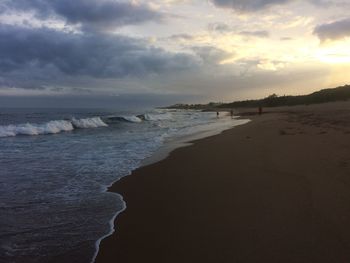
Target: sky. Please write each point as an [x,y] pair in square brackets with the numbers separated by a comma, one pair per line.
[98,53]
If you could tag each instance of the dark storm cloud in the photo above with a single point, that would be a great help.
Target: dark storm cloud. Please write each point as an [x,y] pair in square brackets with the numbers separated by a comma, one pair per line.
[95,14]
[333,31]
[46,53]
[248,5]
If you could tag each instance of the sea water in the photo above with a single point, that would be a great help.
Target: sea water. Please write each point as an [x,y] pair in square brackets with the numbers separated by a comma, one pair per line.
[56,166]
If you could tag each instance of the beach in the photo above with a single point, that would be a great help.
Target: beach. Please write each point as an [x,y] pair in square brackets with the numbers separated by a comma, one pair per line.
[274,190]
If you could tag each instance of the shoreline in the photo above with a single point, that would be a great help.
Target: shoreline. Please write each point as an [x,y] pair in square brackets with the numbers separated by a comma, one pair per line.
[111,224]
[160,154]
[187,140]
[155,230]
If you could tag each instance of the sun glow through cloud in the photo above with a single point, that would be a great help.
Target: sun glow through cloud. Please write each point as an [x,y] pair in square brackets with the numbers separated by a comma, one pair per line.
[335,53]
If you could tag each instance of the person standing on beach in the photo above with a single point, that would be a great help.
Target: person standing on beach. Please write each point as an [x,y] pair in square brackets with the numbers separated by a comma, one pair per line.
[217,114]
[231,112]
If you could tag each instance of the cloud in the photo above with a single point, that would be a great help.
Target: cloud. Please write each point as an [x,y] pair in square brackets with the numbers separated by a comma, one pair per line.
[248,5]
[90,14]
[44,54]
[286,38]
[181,37]
[223,28]
[333,31]
[330,3]
[259,33]
[211,55]
[220,28]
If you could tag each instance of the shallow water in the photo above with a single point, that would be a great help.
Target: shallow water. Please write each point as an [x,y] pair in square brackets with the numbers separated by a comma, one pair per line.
[57,164]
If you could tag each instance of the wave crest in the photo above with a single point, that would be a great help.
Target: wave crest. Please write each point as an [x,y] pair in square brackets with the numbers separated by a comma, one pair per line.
[50,127]
[88,123]
[132,119]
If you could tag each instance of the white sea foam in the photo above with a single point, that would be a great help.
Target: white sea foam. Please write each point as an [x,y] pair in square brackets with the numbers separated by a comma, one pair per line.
[88,123]
[50,127]
[158,117]
[132,118]
[36,129]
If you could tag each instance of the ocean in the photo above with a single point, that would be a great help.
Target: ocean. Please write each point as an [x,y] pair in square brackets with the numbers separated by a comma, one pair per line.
[57,164]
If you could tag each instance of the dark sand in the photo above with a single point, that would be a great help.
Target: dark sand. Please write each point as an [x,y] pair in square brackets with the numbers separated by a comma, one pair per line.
[274,190]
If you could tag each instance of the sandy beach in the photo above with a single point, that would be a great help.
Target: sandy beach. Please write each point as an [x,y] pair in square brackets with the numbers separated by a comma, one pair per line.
[274,190]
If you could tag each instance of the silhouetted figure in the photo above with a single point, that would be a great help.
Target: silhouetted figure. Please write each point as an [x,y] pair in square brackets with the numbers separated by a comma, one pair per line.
[217,114]
[260,110]
[231,114]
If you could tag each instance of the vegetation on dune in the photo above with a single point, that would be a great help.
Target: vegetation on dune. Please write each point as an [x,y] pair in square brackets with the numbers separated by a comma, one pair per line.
[326,95]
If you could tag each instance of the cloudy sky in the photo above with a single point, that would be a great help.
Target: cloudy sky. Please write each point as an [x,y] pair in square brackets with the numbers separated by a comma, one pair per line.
[97,52]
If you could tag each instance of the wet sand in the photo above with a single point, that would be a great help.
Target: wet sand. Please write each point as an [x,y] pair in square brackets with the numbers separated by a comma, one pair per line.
[274,190]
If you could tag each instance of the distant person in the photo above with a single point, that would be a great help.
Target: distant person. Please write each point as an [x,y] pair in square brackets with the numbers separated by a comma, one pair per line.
[260,110]
[231,112]
[217,114]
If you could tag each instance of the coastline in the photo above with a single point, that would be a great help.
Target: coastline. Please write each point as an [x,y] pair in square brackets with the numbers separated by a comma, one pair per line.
[160,154]
[187,140]
[261,191]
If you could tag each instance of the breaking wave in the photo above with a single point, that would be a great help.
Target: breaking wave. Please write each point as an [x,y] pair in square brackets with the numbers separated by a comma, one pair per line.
[50,127]
[88,123]
[132,118]
[157,117]
[141,117]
